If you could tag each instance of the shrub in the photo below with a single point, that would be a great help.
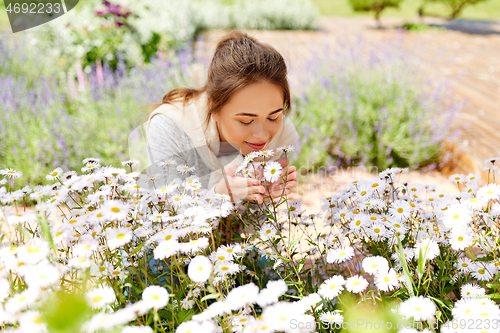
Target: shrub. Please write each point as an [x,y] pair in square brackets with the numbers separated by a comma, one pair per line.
[47,121]
[136,30]
[456,6]
[369,105]
[376,6]
[154,257]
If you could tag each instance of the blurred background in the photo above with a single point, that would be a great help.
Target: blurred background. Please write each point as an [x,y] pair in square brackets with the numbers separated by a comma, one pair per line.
[375,83]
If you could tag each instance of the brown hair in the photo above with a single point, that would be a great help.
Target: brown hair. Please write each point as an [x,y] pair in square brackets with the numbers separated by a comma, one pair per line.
[239,60]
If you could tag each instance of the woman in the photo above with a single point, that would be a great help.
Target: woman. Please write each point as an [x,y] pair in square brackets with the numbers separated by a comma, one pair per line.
[240,110]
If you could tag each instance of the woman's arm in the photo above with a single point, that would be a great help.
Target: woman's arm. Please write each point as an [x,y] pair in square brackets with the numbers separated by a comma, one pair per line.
[167,141]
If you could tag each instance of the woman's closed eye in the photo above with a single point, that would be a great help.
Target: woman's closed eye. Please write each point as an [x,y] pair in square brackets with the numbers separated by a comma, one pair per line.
[275,119]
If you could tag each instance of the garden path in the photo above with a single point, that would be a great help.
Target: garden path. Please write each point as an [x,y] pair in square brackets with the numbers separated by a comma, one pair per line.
[465,54]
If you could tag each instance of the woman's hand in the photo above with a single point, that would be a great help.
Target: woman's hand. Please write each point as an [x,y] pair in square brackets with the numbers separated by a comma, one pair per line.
[279,188]
[238,187]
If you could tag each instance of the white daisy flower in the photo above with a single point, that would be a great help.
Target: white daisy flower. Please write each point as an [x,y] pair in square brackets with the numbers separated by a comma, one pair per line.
[332,287]
[364,192]
[419,308]
[199,269]
[483,271]
[226,268]
[56,173]
[373,265]
[33,322]
[472,177]
[464,265]
[457,215]
[118,237]
[220,256]
[460,238]
[100,297]
[42,275]
[470,290]
[80,262]
[166,249]
[195,245]
[265,153]
[331,318]
[489,192]
[429,247]
[267,231]
[272,171]
[242,296]
[457,178]
[400,209]
[356,284]
[90,167]
[475,203]
[272,292]
[23,300]
[340,255]
[387,281]
[287,148]
[156,297]
[115,210]
[279,316]
[185,169]
[11,173]
[464,308]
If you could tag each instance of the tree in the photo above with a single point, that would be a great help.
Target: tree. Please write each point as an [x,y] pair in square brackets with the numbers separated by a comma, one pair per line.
[376,6]
[456,6]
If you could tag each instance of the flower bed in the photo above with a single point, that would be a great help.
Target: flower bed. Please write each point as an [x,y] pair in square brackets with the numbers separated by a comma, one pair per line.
[152,256]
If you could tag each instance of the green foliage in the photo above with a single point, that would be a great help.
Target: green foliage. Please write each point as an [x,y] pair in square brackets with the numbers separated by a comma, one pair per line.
[370,111]
[456,6]
[420,27]
[376,6]
[66,312]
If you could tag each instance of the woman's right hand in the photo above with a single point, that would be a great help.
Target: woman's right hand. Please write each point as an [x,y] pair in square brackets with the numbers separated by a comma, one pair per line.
[240,187]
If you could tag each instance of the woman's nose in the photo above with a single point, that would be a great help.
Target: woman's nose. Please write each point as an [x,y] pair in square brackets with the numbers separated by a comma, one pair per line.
[260,132]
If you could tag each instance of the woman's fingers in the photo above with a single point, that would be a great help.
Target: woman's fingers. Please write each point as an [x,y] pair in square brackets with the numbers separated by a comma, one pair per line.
[257,198]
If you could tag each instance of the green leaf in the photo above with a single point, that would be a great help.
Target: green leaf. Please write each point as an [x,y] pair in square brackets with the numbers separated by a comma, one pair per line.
[301,264]
[406,271]
[210,296]
[138,248]
[493,296]
[292,244]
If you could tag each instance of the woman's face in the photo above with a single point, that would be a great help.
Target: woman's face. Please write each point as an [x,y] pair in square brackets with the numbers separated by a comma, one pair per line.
[251,117]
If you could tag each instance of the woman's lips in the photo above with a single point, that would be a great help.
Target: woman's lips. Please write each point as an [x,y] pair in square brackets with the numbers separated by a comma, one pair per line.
[254,146]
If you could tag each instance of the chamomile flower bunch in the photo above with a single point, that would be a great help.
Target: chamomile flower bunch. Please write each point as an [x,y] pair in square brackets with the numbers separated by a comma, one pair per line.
[146,252]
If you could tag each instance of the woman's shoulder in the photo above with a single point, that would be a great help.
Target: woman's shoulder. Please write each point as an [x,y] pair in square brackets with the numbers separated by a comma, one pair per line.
[162,125]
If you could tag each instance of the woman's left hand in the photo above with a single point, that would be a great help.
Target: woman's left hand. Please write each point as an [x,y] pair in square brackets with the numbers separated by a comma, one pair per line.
[278,188]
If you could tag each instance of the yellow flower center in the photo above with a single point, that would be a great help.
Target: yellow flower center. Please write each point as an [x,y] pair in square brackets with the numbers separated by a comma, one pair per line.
[97,299]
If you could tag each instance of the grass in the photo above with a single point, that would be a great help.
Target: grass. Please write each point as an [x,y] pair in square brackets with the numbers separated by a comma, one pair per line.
[489,10]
